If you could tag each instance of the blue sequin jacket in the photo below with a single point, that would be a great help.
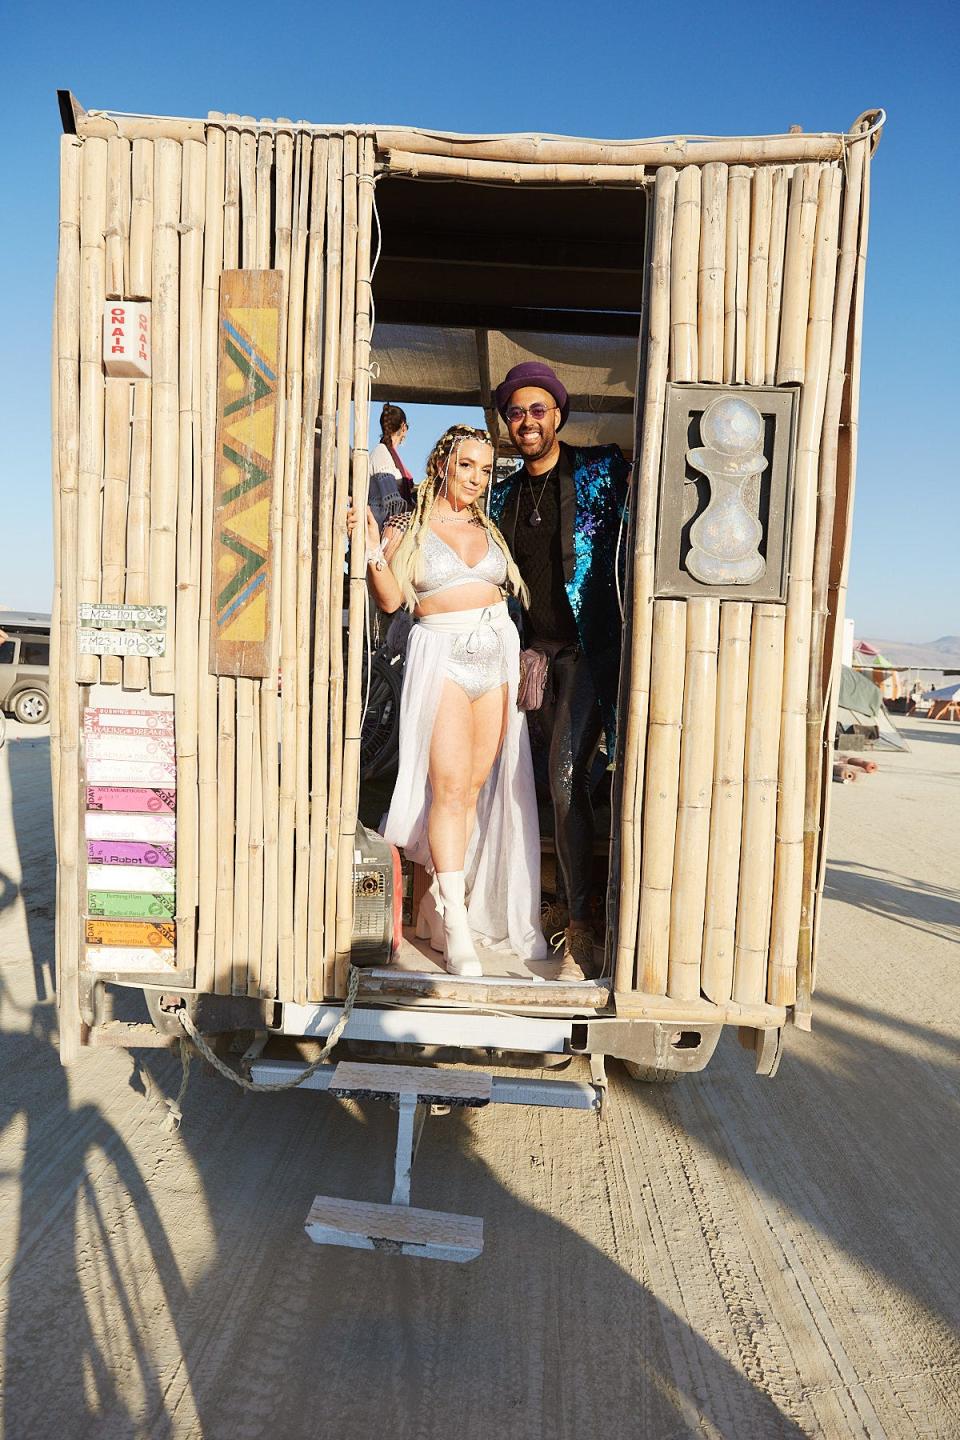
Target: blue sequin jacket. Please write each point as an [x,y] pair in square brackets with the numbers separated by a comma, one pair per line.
[591,508]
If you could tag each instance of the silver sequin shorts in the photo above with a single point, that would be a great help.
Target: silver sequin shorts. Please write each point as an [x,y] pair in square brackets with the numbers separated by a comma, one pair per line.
[478,658]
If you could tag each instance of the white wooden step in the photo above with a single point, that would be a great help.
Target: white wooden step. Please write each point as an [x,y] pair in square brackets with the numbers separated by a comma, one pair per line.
[395,1229]
[431,1087]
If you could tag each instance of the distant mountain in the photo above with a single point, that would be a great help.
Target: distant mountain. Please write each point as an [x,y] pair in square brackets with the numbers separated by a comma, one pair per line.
[942,654]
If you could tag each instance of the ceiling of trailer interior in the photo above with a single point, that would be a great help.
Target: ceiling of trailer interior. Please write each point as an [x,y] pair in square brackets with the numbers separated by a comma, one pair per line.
[473,279]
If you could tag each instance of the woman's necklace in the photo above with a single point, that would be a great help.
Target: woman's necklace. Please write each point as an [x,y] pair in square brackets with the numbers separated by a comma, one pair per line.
[535,518]
[457,518]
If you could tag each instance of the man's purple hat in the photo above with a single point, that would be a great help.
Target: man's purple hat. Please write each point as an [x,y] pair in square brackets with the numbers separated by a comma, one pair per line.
[533,372]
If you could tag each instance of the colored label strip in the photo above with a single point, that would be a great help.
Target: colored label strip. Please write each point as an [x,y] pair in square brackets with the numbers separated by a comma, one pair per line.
[132,877]
[132,772]
[134,798]
[151,748]
[129,852]
[130,959]
[151,829]
[115,905]
[140,933]
[129,722]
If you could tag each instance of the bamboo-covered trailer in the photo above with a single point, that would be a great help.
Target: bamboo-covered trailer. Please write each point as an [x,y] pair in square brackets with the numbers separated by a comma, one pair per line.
[212,380]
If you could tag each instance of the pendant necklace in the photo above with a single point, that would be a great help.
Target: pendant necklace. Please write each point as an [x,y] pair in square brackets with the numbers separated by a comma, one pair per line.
[535,518]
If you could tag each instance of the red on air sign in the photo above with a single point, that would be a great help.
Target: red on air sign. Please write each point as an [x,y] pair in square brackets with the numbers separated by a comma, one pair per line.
[126,339]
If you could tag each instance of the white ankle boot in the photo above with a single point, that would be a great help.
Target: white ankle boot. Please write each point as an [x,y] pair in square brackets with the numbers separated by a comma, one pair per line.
[429,919]
[459,954]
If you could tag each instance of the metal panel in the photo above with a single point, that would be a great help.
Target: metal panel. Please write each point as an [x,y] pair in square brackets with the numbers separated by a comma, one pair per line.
[433,1027]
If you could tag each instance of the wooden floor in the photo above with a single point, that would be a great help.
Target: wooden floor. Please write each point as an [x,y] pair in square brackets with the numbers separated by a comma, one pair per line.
[416,957]
[506,980]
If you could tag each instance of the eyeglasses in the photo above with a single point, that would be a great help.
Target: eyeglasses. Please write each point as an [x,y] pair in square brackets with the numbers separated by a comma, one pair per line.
[536,411]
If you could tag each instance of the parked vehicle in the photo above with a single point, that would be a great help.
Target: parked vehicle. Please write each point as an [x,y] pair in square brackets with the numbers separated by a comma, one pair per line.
[25,666]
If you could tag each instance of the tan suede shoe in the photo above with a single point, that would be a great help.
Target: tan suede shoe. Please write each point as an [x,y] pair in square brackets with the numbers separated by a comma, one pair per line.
[576,962]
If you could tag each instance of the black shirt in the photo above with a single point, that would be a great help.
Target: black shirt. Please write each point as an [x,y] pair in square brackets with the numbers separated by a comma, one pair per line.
[537,550]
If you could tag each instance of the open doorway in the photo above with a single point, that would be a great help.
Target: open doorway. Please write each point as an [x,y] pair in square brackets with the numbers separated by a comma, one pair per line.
[471,281]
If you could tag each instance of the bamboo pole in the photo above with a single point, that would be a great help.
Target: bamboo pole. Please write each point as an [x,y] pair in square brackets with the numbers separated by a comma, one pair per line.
[684,363]
[713,240]
[348,289]
[839,568]
[264,205]
[688,897]
[726,815]
[245,965]
[661,794]
[141,221]
[757,276]
[798,260]
[819,744]
[788,877]
[207,687]
[248,192]
[779,196]
[358,569]
[226,766]
[117,233]
[427,149]
[654,379]
[55,607]
[189,541]
[67,705]
[289,579]
[735,275]
[116,480]
[136,582]
[93,220]
[313,338]
[269,695]
[759,804]
[263,254]
[165,429]
[317,976]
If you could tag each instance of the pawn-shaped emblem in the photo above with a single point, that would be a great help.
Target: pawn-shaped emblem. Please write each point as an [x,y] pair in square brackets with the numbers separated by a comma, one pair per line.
[724,539]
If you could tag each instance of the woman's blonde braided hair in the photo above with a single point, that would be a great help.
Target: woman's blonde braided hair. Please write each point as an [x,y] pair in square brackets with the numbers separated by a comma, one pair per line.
[404,560]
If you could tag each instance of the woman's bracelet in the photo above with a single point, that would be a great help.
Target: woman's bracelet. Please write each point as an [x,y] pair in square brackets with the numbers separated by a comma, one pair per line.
[376,557]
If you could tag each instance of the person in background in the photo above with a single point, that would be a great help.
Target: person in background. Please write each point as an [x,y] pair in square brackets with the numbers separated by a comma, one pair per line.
[391,484]
[561,516]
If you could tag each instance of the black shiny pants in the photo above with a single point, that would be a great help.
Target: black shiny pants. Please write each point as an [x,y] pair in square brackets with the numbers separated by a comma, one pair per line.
[568,726]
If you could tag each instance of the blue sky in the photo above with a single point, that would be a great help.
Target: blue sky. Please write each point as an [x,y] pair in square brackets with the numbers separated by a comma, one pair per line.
[595,69]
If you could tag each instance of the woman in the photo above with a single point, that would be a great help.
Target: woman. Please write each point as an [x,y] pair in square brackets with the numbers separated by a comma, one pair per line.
[391,484]
[464,803]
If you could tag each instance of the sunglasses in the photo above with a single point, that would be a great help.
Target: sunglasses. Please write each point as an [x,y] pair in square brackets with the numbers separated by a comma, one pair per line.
[536,412]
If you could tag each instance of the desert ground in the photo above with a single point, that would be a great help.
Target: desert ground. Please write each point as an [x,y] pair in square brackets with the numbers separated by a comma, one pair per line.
[728,1256]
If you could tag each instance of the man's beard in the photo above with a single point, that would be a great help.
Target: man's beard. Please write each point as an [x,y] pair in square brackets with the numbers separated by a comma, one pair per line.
[541,447]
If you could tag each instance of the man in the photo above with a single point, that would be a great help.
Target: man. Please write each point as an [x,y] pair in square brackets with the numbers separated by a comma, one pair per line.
[561,515]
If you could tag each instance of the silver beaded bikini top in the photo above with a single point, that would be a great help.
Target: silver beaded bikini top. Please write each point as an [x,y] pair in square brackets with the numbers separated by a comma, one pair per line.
[440,567]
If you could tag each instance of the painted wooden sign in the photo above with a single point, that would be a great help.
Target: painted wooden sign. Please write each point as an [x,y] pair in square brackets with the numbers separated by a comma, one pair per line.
[136,905]
[128,852]
[145,934]
[148,800]
[249,382]
[119,617]
[126,339]
[152,829]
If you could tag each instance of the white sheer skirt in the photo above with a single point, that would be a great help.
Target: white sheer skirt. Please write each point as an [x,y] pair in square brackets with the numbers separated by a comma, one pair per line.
[503,854]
